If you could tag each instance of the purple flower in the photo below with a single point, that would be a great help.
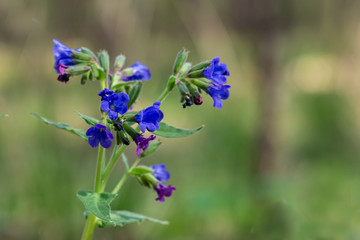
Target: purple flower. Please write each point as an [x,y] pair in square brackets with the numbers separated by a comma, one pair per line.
[141,72]
[218,93]
[150,117]
[63,59]
[98,133]
[142,143]
[113,103]
[163,191]
[160,173]
[216,72]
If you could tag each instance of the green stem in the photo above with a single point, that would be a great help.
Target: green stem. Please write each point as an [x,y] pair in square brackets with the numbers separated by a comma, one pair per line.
[111,165]
[125,176]
[89,227]
[99,169]
[164,94]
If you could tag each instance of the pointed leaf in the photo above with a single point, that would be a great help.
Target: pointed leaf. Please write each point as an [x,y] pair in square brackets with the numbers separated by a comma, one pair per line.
[140,171]
[97,203]
[63,126]
[121,218]
[125,160]
[153,146]
[166,130]
[89,120]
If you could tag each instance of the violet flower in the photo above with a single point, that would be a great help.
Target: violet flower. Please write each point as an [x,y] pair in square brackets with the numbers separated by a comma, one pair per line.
[141,72]
[150,117]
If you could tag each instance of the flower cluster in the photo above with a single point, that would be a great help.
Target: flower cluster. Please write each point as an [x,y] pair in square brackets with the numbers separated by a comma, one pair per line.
[120,89]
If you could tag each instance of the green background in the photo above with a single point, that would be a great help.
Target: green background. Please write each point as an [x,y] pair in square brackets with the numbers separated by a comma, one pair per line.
[280,160]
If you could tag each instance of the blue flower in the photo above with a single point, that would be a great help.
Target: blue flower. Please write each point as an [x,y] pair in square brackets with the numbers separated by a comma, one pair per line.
[163,191]
[98,133]
[104,94]
[113,103]
[160,172]
[142,143]
[218,93]
[141,72]
[62,56]
[216,72]
[150,117]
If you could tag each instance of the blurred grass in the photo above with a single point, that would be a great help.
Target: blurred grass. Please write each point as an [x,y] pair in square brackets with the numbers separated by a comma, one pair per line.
[311,191]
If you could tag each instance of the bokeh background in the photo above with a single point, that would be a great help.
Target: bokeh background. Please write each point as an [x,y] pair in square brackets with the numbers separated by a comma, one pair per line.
[279,161]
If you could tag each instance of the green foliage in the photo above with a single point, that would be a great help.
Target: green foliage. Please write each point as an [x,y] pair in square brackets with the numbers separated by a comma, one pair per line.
[97,203]
[168,131]
[89,120]
[121,218]
[153,147]
[63,126]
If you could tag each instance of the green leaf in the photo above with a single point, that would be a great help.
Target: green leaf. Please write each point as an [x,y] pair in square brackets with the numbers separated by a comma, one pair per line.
[3,115]
[153,146]
[134,93]
[125,160]
[63,126]
[97,203]
[121,218]
[169,131]
[89,120]
[140,171]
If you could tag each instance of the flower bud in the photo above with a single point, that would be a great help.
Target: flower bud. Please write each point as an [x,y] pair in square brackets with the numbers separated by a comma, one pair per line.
[185,68]
[77,69]
[121,137]
[88,52]
[183,89]
[202,84]
[134,93]
[200,66]
[119,62]
[196,74]
[180,60]
[171,82]
[104,60]
[80,56]
[148,180]
[127,72]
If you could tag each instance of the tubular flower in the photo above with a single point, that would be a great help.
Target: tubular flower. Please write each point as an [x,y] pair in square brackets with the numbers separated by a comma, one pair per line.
[216,72]
[163,191]
[98,133]
[160,172]
[104,94]
[63,59]
[218,93]
[114,103]
[150,117]
[142,143]
[141,72]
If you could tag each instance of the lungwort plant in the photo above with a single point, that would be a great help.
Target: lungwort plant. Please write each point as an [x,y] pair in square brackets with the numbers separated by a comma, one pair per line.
[120,123]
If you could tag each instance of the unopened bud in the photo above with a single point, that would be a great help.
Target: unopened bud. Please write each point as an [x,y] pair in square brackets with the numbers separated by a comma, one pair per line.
[104,60]
[180,59]
[119,62]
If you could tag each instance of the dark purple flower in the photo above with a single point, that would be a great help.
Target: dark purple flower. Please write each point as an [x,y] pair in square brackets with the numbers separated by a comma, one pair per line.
[218,93]
[113,103]
[150,117]
[163,191]
[142,143]
[160,172]
[98,133]
[216,72]
[141,72]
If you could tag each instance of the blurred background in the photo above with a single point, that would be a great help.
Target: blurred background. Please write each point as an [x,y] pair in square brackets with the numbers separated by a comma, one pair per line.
[280,160]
